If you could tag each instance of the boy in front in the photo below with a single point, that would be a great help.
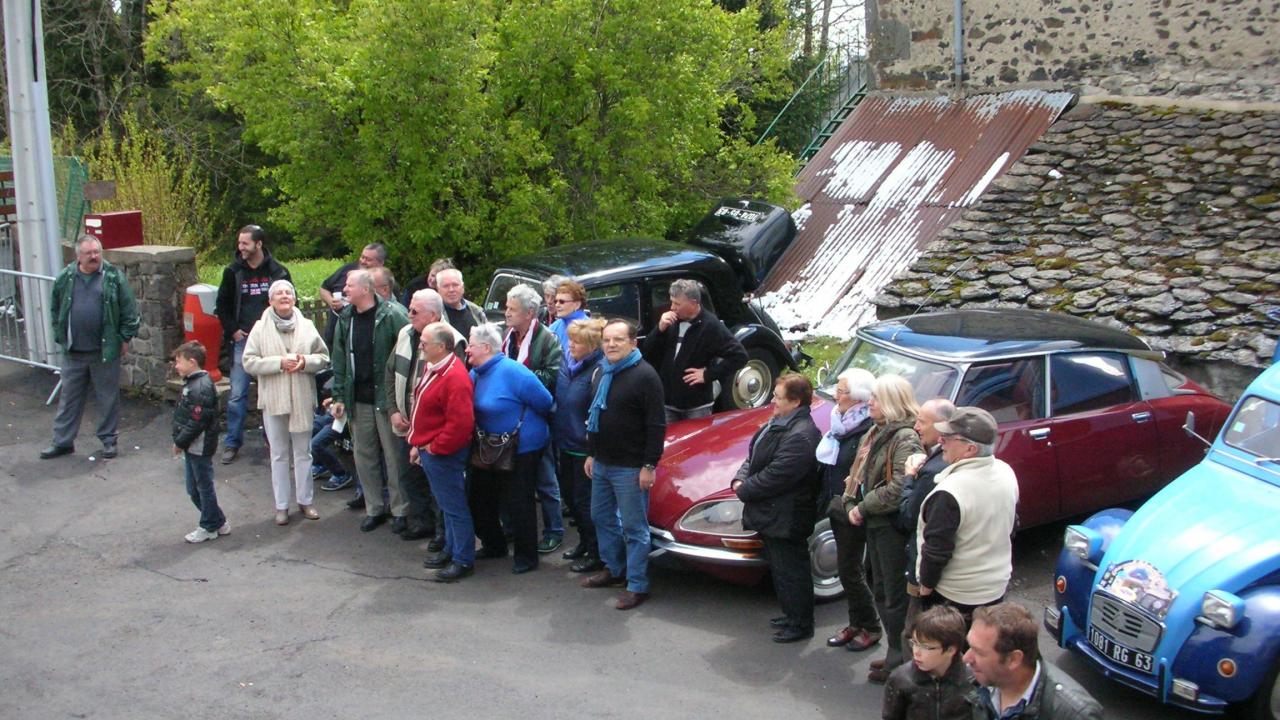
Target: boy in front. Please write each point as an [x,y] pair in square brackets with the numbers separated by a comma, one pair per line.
[195,433]
[935,683]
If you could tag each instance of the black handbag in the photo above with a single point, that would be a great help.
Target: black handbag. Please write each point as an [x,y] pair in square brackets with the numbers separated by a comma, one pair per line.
[496,451]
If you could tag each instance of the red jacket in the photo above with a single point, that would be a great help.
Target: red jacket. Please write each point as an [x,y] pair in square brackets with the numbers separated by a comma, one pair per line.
[443,411]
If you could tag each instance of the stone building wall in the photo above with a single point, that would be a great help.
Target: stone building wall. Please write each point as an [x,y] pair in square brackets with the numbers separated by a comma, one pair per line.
[159,276]
[1161,220]
[1223,50]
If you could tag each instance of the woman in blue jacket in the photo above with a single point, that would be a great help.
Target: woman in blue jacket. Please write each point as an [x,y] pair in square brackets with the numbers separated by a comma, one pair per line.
[573,400]
[508,397]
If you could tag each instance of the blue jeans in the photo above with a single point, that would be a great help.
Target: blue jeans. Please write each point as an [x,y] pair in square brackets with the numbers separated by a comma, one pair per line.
[549,492]
[322,436]
[238,402]
[624,546]
[446,474]
[200,488]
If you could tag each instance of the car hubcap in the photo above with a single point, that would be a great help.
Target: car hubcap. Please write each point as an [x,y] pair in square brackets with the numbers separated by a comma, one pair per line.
[751,386]
[823,565]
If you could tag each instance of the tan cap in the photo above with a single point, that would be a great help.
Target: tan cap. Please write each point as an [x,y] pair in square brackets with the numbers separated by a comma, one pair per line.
[970,423]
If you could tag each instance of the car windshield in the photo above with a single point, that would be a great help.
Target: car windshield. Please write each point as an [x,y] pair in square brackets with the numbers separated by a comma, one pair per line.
[929,379]
[1256,427]
[496,300]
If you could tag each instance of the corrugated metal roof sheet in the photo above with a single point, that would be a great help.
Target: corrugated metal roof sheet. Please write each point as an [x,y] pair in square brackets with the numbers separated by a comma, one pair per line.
[897,172]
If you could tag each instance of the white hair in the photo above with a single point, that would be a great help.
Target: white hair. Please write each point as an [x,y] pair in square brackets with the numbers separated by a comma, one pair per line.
[861,383]
[431,300]
[487,334]
[687,289]
[449,272]
[550,284]
[282,283]
[528,298]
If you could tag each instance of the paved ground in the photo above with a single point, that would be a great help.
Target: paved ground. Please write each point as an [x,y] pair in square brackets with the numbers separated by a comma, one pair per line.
[108,614]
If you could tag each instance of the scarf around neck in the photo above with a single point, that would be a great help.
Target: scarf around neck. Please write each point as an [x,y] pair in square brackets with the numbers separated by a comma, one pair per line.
[284,325]
[841,425]
[602,393]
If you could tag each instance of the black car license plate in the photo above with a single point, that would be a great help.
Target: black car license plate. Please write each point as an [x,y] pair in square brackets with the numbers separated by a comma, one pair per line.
[1118,653]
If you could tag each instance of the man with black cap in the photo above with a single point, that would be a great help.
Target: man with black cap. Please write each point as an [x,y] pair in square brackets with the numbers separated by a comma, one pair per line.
[964,537]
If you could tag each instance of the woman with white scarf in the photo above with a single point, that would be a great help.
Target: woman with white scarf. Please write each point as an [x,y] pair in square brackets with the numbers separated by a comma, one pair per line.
[284,351]
[850,420]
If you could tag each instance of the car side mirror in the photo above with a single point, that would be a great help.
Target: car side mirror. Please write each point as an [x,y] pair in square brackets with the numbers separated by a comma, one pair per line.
[1189,427]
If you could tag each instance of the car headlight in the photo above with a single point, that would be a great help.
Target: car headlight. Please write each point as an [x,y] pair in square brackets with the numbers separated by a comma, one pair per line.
[1221,609]
[717,517]
[1083,542]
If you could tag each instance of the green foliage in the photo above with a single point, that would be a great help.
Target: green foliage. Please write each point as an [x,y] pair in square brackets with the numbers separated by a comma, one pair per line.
[170,191]
[482,129]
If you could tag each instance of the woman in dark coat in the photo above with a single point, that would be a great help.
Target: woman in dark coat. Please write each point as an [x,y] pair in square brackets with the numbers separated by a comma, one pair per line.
[569,425]
[850,420]
[778,485]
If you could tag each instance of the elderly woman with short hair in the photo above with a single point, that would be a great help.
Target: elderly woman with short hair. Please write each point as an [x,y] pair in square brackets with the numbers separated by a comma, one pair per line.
[871,498]
[573,401]
[850,420]
[508,398]
[285,352]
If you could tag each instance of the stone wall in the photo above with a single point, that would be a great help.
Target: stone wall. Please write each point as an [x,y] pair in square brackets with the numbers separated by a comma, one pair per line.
[1160,220]
[1223,50]
[159,276]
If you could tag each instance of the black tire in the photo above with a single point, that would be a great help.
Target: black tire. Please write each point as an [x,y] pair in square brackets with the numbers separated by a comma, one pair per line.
[1265,704]
[752,385]
[822,563]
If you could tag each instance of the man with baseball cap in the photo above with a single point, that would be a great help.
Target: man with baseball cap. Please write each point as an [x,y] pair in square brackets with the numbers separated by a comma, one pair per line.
[964,537]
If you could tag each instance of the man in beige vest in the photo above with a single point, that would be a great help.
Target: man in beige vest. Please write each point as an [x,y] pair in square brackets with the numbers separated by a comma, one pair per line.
[964,537]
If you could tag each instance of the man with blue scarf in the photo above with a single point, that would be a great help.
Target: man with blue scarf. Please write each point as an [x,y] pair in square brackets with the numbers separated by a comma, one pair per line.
[625,427]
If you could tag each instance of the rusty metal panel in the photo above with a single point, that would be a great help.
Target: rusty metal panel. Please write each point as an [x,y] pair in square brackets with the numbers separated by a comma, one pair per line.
[893,176]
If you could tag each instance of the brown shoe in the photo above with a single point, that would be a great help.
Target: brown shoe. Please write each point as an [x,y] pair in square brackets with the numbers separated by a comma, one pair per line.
[877,664]
[604,578]
[862,640]
[842,637]
[309,512]
[878,676]
[282,517]
[628,600]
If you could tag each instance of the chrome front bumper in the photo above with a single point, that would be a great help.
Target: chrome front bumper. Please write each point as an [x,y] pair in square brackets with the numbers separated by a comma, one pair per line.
[663,542]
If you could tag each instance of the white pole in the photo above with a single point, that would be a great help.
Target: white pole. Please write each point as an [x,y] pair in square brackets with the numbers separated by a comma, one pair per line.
[36,198]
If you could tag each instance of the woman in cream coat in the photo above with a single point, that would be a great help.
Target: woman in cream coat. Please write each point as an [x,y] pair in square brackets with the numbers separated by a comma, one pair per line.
[284,352]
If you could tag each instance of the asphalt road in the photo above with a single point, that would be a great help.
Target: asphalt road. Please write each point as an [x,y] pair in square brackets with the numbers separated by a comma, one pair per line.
[109,614]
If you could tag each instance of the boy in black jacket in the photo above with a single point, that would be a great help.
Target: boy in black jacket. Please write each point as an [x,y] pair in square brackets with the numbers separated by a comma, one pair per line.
[195,433]
[934,685]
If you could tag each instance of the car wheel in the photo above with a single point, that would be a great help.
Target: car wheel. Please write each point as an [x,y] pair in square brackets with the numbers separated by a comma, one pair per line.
[752,386]
[1265,704]
[822,562]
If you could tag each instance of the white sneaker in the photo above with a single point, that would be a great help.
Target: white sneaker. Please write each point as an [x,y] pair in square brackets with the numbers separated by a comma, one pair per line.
[225,529]
[199,535]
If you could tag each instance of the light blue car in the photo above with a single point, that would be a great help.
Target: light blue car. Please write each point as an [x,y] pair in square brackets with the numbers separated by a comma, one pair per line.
[1181,599]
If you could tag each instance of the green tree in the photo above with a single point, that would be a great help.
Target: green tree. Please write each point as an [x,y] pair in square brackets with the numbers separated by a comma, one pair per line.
[480,129]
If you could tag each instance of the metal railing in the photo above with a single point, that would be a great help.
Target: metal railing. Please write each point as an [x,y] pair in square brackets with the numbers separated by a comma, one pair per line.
[24,339]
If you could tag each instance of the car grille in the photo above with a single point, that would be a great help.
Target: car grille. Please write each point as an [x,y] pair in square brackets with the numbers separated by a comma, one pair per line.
[1125,624]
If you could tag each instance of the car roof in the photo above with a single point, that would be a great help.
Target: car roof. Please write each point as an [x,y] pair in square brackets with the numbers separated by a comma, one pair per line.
[600,260]
[999,332]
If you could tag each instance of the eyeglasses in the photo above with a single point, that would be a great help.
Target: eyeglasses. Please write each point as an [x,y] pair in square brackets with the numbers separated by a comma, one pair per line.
[923,646]
[559,301]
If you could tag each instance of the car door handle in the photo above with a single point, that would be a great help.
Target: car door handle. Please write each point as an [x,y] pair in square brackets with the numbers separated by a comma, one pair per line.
[1038,433]
[1141,417]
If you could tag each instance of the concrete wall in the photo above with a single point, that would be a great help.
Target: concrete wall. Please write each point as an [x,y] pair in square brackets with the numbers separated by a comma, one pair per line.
[1222,50]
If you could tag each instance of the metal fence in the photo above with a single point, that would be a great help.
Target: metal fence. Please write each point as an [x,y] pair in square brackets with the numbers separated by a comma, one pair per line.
[23,336]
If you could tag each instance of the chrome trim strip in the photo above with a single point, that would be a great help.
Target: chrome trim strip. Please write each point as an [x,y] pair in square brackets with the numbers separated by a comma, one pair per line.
[663,542]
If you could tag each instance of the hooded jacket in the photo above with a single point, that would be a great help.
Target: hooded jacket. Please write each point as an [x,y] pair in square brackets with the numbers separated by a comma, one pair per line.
[241,282]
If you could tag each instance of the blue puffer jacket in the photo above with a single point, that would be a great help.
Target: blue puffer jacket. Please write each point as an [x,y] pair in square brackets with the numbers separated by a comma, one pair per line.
[503,390]
[573,400]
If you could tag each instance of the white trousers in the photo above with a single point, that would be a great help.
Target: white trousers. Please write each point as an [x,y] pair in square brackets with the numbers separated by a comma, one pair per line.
[282,443]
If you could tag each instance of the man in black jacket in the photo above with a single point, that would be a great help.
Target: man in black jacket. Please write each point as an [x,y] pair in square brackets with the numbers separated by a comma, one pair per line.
[778,485]
[691,349]
[242,298]
[625,428]
[921,471]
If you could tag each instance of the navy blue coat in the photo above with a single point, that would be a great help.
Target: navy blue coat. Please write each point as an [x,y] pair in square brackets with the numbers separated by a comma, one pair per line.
[573,400]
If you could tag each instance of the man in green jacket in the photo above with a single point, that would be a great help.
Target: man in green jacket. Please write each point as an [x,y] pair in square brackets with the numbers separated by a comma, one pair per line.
[94,317]
[365,337]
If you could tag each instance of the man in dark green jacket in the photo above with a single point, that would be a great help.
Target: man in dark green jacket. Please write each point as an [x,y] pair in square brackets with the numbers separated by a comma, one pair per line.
[94,317]
[365,337]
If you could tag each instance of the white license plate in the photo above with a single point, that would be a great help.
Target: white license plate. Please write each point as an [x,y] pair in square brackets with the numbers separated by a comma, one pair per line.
[1118,653]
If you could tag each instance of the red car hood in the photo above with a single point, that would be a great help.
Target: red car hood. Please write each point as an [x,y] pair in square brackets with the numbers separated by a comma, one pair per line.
[701,457]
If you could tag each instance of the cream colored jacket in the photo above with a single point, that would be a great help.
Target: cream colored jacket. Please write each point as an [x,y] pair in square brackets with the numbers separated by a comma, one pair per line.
[281,393]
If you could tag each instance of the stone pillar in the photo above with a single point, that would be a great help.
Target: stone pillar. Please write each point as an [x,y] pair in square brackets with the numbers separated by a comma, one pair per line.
[159,276]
